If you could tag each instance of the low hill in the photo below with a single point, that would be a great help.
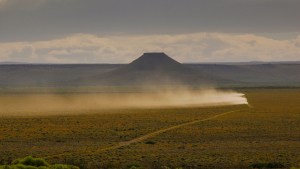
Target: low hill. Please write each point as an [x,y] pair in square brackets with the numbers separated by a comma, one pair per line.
[254,75]
[35,75]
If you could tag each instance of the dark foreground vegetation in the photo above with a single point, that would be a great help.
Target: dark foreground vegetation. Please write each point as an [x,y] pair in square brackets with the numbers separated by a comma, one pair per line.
[264,136]
[35,163]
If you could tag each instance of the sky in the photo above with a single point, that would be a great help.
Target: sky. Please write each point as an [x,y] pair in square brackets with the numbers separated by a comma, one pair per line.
[118,31]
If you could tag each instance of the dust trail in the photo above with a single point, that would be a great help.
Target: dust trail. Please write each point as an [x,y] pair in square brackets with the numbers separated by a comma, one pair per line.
[72,103]
[144,137]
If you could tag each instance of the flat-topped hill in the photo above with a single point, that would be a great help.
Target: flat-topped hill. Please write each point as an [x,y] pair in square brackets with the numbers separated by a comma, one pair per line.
[151,68]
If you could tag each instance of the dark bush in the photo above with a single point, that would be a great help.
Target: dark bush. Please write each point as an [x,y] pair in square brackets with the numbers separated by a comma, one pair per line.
[149,142]
[267,165]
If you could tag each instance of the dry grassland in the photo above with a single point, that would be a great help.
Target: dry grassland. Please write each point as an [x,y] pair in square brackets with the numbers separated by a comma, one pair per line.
[266,133]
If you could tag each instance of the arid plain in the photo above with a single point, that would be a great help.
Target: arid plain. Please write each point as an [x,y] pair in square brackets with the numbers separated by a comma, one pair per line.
[237,136]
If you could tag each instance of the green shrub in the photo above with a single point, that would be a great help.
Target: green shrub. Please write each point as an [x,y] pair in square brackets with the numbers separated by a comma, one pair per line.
[63,166]
[35,163]
[20,166]
[30,161]
[134,166]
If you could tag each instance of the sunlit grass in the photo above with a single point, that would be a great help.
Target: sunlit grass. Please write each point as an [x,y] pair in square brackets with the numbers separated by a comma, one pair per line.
[268,132]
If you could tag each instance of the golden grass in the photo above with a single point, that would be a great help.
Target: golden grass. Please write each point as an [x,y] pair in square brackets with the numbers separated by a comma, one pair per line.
[268,132]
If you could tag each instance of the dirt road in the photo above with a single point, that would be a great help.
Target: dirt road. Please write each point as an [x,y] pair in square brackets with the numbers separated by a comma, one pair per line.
[145,137]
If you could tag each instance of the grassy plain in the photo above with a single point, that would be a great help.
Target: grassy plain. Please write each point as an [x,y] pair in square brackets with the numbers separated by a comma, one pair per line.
[269,132]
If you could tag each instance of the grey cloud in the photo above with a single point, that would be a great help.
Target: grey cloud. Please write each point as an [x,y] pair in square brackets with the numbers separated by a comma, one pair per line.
[199,47]
[21,55]
[48,19]
[212,44]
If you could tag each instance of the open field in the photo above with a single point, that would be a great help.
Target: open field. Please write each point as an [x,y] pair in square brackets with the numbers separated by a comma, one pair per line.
[267,132]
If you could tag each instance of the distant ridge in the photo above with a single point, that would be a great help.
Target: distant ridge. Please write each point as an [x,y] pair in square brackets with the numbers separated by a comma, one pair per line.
[13,63]
[151,68]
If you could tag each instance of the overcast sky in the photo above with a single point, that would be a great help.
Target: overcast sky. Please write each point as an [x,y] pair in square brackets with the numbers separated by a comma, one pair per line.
[117,31]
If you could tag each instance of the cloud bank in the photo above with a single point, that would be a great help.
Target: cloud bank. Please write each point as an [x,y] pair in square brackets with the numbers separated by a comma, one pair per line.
[195,47]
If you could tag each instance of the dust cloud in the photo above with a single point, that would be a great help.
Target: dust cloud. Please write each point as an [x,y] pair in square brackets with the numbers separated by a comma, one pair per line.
[78,103]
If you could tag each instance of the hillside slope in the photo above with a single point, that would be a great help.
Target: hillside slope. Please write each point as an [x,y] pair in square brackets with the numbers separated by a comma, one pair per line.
[149,69]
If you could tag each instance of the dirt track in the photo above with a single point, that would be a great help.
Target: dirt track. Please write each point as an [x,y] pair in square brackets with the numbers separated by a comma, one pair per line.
[145,137]
[155,133]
